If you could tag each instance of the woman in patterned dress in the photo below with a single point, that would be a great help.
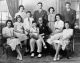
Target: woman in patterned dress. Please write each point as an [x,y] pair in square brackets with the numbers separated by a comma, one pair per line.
[14,43]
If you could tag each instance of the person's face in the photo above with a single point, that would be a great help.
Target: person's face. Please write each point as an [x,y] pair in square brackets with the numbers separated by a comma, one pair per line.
[18,19]
[39,6]
[40,21]
[66,25]
[51,10]
[34,25]
[9,24]
[21,9]
[57,18]
[28,14]
[67,6]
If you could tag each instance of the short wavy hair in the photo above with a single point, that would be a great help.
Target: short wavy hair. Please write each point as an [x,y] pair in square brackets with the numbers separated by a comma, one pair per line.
[51,8]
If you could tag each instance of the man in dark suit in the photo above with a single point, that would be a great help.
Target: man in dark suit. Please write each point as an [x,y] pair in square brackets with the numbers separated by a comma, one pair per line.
[69,14]
[40,13]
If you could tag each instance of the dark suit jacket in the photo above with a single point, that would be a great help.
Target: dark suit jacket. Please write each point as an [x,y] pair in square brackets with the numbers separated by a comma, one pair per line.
[42,14]
[69,16]
[44,29]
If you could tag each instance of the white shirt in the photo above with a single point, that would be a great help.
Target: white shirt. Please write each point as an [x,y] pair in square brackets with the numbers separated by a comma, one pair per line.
[27,23]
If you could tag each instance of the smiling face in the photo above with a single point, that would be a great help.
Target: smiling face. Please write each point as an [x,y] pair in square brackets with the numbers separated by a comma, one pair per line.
[18,19]
[40,20]
[34,24]
[66,25]
[28,14]
[8,24]
[21,9]
[57,18]
[39,6]
[51,10]
[67,6]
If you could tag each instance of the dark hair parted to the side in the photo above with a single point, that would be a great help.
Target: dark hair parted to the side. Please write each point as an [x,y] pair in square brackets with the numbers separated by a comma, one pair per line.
[18,16]
[21,6]
[59,16]
[34,22]
[9,21]
[67,22]
[29,12]
[67,3]
[40,3]
[51,8]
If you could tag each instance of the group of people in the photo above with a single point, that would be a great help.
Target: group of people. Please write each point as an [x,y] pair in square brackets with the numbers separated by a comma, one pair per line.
[58,28]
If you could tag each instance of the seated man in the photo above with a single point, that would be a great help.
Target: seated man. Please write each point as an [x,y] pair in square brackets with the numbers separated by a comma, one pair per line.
[60,40]
[43,30]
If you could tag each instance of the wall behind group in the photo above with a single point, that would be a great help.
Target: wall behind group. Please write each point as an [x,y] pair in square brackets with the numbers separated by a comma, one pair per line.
[32,4]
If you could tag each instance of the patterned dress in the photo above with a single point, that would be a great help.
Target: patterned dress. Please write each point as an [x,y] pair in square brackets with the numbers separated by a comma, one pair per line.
[12,42]
[21,35]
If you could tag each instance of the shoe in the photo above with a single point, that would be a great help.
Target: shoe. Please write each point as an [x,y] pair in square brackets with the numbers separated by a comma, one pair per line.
[26,50]
[32,55]
[54,59]
[39,55]
[58,57]
[20,58]
[45,46]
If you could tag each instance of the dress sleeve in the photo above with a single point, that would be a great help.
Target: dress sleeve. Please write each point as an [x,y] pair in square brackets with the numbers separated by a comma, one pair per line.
[3,31]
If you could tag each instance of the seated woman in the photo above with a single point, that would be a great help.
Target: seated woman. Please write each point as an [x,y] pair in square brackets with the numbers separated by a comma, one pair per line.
[60,40]
[35,38]
[8,32]
[59,24]
[19,31]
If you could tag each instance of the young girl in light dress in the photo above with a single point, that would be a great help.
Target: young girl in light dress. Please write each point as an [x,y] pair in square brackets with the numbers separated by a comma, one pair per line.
[19,31]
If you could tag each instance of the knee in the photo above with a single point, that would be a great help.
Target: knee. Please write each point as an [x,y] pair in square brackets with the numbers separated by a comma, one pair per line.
[32,41]
[39,42]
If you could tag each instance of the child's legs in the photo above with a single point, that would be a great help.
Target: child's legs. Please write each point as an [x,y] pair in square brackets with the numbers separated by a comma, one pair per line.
[32,44]
[39,45]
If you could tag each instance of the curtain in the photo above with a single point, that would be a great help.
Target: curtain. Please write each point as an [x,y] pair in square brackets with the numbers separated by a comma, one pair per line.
[13,7]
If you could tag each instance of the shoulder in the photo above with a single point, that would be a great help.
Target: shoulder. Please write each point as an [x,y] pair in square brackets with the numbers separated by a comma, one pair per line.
[61,21]
[35,11]
[73,10]
[44,11]
[16,23]
[31,18]
[4,28]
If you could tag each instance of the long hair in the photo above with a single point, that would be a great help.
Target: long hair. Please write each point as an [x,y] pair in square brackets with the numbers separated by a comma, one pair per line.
[18,16]
[9,21]
[59,16]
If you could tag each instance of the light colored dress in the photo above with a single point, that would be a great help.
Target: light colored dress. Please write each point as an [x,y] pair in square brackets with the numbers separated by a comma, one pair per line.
[12,42]
[19,27]
[51,19]
[22,14]
[61,38]
[59,25]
